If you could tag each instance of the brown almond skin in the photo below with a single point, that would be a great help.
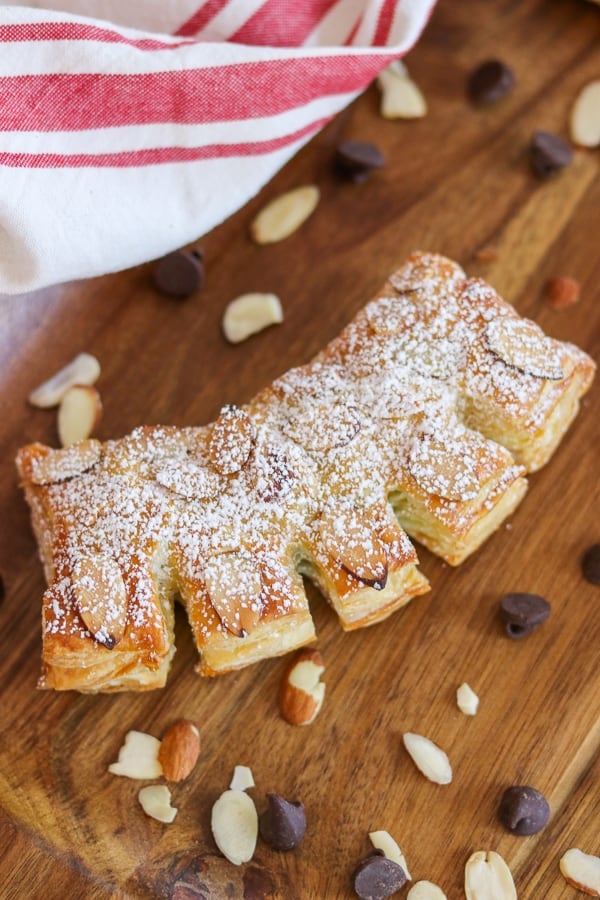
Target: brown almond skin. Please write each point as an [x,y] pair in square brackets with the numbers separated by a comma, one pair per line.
[179,750]
[296,706]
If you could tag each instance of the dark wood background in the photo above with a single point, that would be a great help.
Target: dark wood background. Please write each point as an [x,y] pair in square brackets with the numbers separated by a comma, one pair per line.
[454,182]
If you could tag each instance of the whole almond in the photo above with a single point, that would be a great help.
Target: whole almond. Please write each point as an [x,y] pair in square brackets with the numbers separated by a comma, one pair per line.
[301,693]
[179,750]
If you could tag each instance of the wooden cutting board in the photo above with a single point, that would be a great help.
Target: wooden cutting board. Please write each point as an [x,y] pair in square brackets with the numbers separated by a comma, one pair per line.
[454,182]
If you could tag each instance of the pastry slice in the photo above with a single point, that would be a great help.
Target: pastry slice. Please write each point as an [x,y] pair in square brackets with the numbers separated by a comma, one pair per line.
[421,419]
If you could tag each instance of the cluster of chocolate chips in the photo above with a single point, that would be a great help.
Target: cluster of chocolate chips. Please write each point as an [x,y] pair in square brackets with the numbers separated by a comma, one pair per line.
[490,82]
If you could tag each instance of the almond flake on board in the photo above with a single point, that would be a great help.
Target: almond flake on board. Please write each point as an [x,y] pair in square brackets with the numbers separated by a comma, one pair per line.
[285,214]
[249,314]
[234,824]
[79,412]
[155,800]
[582,871]
[487,877]
[138,757]
[84,369]
[428,758]
[400,96]
[382,840]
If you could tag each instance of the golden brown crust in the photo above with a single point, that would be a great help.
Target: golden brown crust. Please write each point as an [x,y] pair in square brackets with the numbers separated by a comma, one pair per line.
[432,404]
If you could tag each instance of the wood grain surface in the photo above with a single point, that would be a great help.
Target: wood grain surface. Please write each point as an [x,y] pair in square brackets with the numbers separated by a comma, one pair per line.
[454,182]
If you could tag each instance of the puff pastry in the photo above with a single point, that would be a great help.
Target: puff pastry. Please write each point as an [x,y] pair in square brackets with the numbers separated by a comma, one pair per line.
[420,419]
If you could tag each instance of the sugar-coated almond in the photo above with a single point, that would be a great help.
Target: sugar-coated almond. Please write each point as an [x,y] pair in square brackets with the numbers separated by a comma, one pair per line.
[523,345]
[249,314]
[79,412]
[84,369]
[285,214]
[138,757]
[101,597]
[179,750]
[53,466]
[234,584]
[155,800]
[428,758]
[231,440]
[234,824]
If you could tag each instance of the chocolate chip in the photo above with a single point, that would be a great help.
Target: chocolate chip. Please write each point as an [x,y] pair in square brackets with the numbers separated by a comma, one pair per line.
[179,274]
[377,877]
[357,159]
[283,824]
[490,81]
[549,154]
[590,564]
[523,613]
[523,810]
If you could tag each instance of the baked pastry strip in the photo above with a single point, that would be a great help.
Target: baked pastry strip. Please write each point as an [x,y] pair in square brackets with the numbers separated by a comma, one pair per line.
[421,418]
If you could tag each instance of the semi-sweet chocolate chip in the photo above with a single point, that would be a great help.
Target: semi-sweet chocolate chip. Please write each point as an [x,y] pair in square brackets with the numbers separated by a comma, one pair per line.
[490,81]
[523,613]
[283,824]
[357,159]
[179,274]
[549,154]
[378,877]
[590,564]
[523,810]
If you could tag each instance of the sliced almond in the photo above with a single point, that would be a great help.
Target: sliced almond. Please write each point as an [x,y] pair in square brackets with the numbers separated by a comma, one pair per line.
[231,441]
[234,584]
[302,692]
[249,314]
[523,345]
[382,840]
[467,700]
[179,750]
[79,412]
[487,877]
[322,427]
[101,597]
[446,470]
[585,116]
[349,538]
[234,823]
[138,757]
[84,369]
[400,96]
[274,478]
[391,315]
[581,871]
[55,466]
[188,480]
[425,890]
[242,779]
[428,758]
[155,800]
[285,214]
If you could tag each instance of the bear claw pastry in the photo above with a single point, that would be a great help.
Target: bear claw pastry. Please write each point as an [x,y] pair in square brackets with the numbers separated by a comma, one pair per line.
[422,419]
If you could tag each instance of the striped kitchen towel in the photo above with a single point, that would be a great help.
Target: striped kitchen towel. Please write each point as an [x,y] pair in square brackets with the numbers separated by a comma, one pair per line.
[128,129]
